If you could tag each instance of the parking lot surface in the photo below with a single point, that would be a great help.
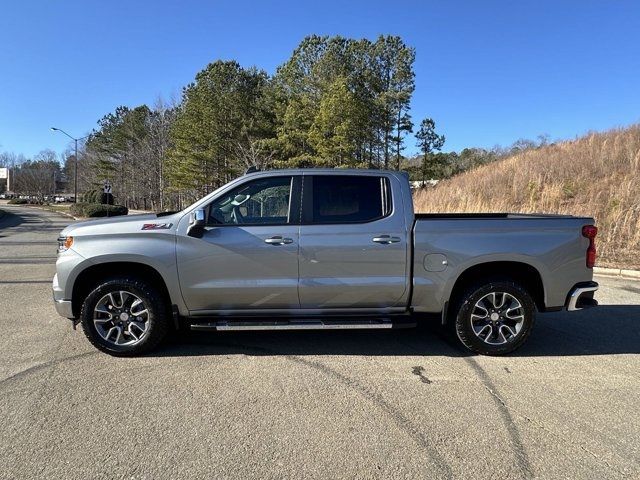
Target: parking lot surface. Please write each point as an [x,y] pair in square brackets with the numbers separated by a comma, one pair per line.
[336,404]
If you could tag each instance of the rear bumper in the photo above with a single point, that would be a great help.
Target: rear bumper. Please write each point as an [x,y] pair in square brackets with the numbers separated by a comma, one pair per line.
[581,296]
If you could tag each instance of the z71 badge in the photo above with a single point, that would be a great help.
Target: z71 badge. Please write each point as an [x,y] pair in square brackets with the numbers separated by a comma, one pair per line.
[156,226]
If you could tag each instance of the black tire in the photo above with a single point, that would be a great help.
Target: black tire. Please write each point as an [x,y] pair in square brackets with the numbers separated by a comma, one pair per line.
[481,293]
[157,320]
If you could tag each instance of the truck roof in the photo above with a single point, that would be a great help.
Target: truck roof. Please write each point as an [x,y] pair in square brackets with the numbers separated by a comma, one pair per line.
[335,171]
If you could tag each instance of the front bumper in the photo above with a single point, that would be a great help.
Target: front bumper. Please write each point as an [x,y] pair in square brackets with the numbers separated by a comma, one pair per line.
[63,306]
[64,309]
[581,296]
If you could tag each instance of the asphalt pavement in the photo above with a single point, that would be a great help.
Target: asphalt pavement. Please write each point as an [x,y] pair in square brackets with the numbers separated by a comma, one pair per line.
[336,404]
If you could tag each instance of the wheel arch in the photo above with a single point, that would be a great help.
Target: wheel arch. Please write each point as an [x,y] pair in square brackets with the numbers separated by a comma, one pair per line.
[94,274]
[523,273]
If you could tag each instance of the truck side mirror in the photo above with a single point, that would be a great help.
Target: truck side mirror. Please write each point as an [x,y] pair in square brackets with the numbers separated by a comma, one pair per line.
[196,223]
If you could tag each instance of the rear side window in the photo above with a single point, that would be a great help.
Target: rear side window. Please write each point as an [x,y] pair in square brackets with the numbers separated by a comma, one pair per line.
[349,199]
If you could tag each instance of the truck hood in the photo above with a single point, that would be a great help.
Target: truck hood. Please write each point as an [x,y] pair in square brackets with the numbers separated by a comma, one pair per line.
[123,224]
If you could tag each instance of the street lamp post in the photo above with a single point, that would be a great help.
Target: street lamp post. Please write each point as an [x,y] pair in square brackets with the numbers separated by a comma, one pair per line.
[75,162]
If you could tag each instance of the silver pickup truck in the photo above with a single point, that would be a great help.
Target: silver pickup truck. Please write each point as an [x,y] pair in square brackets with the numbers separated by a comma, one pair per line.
[316,249]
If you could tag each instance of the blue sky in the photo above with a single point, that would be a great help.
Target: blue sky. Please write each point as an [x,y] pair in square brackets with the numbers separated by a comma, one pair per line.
[489,72]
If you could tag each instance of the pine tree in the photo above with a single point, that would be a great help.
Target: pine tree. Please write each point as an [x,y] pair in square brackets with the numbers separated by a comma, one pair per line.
[429,141]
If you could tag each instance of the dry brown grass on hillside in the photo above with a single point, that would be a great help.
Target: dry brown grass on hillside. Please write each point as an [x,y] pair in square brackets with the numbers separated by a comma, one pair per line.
[597,175]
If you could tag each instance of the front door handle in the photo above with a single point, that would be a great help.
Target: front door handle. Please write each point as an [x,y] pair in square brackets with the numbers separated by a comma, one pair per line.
[278,240]
[386,239]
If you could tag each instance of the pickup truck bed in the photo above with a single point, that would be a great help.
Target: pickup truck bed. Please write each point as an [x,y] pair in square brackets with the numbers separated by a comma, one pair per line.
[546,252]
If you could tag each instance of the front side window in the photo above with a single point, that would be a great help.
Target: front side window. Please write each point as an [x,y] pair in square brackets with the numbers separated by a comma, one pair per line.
[349,199]
[264,201]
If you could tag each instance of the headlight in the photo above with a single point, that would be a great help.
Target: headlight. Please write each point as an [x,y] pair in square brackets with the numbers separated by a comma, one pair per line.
[64,244]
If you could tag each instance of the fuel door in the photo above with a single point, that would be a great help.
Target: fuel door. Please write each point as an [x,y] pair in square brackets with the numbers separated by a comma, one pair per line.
[435,262]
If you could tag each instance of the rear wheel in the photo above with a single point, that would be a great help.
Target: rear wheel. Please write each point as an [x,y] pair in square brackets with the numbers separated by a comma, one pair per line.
[124,317]
[494,317]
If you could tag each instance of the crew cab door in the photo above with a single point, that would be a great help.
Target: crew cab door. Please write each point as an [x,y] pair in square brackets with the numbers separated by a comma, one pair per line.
[353,243]
[247,257]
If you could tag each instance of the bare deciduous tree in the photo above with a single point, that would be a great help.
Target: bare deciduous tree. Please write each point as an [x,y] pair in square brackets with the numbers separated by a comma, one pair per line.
[252,153]
[37,177]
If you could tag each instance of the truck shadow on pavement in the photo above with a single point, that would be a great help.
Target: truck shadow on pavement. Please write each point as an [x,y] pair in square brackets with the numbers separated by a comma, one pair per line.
[9,219]
[28,221]
[606,330]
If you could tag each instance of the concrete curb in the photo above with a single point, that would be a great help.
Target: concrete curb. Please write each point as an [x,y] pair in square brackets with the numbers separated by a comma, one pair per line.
[39,207]
[617,272]
[131,212]
[57,211]
[63,213]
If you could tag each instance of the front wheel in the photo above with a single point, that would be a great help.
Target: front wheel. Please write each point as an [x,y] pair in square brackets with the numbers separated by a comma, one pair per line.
[124,317]
[494,317]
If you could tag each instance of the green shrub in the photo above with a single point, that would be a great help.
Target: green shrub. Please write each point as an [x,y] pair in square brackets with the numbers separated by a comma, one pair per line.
[18,201]
[91,196]
[77,209]
[97,196]
[84,209]
[103,210]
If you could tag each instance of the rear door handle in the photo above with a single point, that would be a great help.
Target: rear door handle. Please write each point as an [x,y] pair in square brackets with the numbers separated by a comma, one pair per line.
[386,239]
[278,240]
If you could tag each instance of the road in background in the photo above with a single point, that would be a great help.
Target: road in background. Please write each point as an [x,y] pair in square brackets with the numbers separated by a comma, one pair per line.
[335,404]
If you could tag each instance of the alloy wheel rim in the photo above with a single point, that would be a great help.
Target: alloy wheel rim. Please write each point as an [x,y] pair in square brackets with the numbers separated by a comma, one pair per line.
[497,318]
[121,318]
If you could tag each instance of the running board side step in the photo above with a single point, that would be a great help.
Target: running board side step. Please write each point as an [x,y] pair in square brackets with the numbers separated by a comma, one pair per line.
[302,324]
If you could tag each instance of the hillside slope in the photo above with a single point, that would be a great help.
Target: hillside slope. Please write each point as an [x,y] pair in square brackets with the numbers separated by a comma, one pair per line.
[596,175]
